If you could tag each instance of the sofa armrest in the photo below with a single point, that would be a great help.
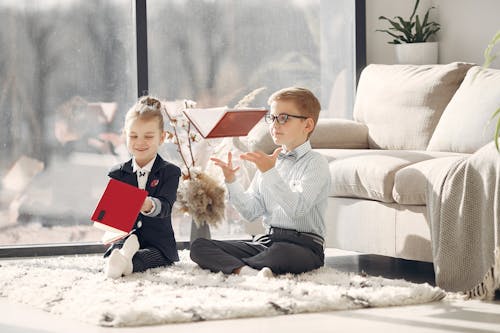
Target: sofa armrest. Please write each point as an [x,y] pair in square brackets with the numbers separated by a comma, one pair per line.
[329,133]
[340,134]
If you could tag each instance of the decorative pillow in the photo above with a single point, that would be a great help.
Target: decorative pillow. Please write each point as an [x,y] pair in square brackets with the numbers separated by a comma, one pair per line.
[402,104]
[464,126]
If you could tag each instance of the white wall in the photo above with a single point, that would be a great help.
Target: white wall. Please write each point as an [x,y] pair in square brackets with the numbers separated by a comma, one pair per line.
[466,28]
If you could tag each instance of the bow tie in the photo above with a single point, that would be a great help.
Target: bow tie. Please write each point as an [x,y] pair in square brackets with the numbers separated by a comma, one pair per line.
[292,156]
[142,173]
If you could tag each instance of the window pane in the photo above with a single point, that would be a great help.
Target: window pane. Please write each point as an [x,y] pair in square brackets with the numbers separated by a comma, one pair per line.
[67,76]
[215,52]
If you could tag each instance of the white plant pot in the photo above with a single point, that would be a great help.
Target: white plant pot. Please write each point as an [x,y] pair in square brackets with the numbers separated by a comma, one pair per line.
[417,53]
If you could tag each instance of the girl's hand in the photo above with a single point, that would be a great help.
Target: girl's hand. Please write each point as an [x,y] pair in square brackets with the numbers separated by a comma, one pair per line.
[262,161]
[147,205]
[227,168]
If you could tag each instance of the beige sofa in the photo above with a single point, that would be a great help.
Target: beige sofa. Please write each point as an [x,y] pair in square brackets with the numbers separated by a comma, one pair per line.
[409,121]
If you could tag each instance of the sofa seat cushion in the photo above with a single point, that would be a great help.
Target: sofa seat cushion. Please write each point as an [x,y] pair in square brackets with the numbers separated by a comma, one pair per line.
[368,173]
[465,126]
[410,182]
[402,104]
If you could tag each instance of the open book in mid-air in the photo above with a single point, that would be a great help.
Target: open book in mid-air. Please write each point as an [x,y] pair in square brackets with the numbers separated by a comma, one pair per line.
[224,122]
[118,209]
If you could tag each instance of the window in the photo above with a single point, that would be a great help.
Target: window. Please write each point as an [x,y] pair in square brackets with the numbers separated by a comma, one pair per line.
[67,75]
[215,52]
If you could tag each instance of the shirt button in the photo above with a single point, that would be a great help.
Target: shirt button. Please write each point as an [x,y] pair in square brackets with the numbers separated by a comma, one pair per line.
[139,224]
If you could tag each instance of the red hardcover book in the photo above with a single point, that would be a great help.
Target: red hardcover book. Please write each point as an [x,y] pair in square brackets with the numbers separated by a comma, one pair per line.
[224,122]
[118,209]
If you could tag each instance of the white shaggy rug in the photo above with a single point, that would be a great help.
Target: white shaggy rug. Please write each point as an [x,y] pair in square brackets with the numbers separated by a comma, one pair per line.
[76,287]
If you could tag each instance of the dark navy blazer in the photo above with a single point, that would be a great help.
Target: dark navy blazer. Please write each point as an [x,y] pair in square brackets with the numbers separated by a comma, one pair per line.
[162,184]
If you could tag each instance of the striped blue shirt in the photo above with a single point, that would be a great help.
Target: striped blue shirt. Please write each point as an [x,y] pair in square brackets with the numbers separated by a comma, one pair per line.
[292,195]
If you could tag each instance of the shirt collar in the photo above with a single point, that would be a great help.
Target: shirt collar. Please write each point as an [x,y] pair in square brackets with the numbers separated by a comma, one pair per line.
[147,167]
[298,152]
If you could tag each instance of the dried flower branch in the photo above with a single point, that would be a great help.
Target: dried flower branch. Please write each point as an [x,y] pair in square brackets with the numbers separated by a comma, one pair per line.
[202,198]
[198,195]
[247,99]
[177,119]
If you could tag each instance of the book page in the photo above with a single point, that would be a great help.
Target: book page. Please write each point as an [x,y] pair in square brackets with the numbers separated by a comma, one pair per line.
[110,234]
[108,228]
[174,108]
[111,237]
[205,119]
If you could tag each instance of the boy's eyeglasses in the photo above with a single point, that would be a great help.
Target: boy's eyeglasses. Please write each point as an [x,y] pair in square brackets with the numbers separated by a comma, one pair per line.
[282,118]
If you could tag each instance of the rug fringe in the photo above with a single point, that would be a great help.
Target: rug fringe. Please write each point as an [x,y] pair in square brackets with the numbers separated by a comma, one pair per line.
[491,281]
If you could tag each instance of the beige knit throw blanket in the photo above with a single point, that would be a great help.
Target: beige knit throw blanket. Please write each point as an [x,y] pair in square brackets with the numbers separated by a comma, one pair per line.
[464,212]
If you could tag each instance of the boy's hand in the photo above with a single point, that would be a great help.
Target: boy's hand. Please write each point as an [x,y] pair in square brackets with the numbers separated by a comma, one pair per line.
[227,168]
[262,161]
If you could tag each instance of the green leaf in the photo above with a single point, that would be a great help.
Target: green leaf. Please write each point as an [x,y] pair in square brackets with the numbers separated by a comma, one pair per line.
[390,33]
[495,114]
[426,17]
[497,129]
[408,25]
[406,28]
[429,32]
[419,35]
[394,26]
[488,56]
[397,26]
[414,10]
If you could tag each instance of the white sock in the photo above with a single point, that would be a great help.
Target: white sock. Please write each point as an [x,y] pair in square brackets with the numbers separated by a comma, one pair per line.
[265,272]
[120,261]
[130,247]
[249,271]
[117,265]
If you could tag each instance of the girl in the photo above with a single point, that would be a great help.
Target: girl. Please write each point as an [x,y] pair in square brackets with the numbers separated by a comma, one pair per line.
[152,242]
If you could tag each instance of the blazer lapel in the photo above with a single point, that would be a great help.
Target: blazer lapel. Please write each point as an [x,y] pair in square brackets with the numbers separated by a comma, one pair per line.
[153,178]
[130,176]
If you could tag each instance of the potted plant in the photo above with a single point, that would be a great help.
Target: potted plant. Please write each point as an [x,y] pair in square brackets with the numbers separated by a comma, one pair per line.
[411,38]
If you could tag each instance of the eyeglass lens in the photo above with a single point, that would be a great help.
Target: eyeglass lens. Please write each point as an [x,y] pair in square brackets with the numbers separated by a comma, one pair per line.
[281,118]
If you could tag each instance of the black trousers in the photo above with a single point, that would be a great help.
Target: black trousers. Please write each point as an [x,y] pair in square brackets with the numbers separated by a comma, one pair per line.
[286,251]
[145,258]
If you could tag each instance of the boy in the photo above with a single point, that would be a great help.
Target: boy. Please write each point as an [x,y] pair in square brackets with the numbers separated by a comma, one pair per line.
[289,190]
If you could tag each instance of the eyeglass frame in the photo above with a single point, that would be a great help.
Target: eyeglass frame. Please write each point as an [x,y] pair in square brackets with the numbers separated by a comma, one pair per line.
[270,118]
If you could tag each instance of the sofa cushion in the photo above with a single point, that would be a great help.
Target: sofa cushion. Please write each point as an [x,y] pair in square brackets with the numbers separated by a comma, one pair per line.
[410,183]
[329,133]
[402,104]
[368,173]
[464,126]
